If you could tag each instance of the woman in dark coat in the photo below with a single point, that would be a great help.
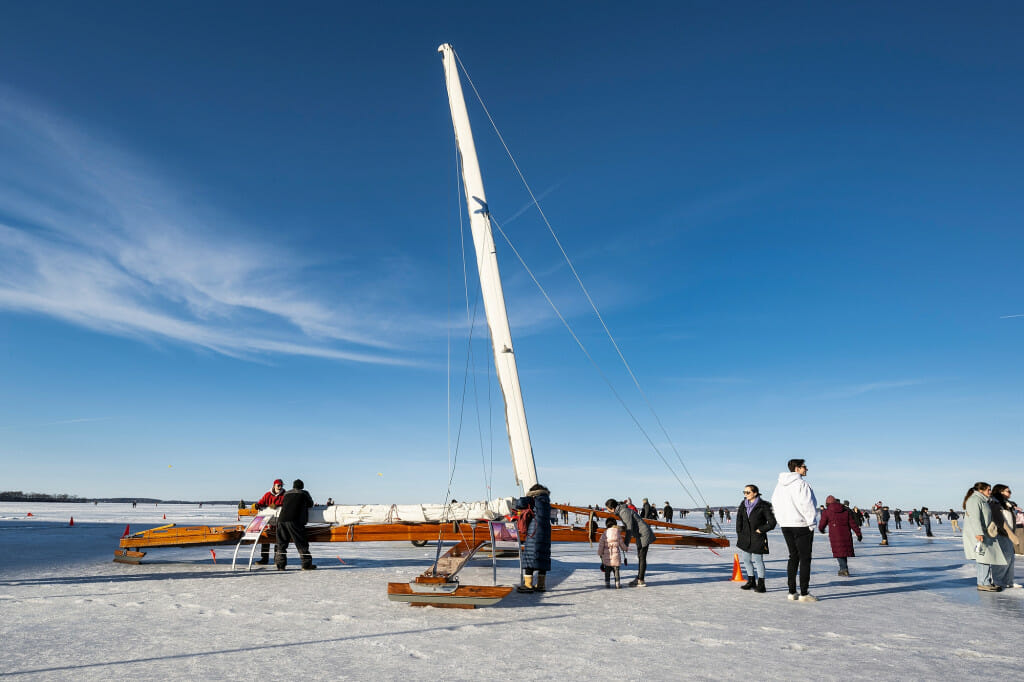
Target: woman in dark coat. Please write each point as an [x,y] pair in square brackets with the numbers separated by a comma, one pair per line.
[840,523]
[537,543]
[754,518]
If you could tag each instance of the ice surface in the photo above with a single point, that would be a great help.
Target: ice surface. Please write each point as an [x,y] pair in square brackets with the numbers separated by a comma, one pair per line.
[909,611]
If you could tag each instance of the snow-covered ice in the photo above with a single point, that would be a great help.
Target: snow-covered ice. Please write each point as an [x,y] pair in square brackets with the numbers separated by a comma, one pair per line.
[909,611]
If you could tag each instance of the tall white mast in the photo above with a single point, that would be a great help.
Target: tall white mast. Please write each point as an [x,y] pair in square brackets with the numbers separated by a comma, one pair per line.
[490,280]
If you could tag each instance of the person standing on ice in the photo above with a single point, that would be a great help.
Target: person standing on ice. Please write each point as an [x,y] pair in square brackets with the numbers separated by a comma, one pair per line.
[291,527]
[635,528]
[272,499]
[796,510]
[611,549]
[882,516]
[925,520]
[754,518]
[537,543]
[1003,517]
[979,537]
[840,523]
[667,511]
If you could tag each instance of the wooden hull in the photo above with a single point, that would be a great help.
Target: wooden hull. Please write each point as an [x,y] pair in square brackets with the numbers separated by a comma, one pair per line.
[463,597]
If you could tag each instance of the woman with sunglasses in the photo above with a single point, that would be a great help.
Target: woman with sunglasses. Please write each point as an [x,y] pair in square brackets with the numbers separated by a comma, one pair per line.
[1002,515]
[754,518]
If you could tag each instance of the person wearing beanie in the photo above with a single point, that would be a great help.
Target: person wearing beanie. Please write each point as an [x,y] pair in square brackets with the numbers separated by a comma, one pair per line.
[272,499]
[796,510]
[291,527]
[841,524]
[537,542]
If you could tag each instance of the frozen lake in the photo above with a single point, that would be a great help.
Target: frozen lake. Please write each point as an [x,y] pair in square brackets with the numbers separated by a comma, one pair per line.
[909,611]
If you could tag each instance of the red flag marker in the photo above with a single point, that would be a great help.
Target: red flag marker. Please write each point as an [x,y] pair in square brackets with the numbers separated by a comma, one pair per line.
[165,518]
[127,531]
[214,556]
[72,522]
[341,560]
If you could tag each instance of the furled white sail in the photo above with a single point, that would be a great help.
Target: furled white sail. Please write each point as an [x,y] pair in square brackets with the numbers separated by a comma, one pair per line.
[490,281]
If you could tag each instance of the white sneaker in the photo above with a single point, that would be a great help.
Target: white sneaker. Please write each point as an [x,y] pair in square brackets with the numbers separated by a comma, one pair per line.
[792,596]
[1007,587]
[808,597]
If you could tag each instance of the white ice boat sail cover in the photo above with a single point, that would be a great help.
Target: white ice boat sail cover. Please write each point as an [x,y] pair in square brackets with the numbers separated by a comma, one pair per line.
[353,514]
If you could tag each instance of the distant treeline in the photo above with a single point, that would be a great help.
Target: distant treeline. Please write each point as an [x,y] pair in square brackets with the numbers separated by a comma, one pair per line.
[18,496]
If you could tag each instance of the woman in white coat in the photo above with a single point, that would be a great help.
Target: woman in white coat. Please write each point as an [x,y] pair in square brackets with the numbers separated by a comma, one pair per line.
[979,536]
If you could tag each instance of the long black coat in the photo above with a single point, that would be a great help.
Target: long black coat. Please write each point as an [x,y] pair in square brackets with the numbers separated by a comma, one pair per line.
[762,518]
[537,543]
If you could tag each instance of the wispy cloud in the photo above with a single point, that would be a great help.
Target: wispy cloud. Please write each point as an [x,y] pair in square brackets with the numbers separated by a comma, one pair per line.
[1006,317]
[861,389]
[92,236]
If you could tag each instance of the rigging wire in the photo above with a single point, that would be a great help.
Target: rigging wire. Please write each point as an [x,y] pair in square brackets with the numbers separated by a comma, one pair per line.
[589,357]
[586,294]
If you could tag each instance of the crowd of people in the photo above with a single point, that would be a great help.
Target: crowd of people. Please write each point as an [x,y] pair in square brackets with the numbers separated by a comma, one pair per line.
[993,531]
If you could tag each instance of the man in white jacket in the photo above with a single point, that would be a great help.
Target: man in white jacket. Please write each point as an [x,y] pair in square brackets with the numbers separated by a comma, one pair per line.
[796,510]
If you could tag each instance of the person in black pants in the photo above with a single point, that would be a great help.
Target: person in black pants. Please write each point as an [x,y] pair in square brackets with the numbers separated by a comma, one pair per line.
[291,527]
[796,510]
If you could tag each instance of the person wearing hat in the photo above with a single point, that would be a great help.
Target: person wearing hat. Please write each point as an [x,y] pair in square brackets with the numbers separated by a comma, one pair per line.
[272,499]
[291,526]
[841,525]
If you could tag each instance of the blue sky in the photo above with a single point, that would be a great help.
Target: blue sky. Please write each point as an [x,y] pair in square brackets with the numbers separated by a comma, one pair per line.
[229,247]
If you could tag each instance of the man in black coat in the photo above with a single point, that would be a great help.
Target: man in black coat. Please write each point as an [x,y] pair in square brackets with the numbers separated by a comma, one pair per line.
[291,527]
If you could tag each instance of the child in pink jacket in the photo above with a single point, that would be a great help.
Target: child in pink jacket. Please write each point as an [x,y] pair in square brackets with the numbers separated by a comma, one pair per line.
[612,551]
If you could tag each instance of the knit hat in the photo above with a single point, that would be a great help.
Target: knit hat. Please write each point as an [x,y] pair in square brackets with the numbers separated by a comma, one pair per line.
[298,484]
[830,500]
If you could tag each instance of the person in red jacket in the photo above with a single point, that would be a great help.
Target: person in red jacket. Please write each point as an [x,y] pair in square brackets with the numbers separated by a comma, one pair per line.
[272,498]
[841,525]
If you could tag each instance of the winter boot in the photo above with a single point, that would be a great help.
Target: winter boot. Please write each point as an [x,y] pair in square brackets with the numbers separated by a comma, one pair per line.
[541,580]
[884,542]
[280,561]
[749,585]
[618,583]
[527,585]
[760,586]
[608,578]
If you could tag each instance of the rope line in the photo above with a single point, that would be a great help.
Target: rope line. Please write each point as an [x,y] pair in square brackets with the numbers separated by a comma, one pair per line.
[589,357]
[587,295]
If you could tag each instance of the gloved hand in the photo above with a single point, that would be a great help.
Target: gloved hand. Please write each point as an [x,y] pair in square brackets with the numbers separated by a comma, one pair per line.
[860,539]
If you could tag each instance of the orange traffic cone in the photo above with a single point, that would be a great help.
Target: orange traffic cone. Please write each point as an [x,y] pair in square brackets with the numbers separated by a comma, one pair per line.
[30,513]
[737,572]
[72,522]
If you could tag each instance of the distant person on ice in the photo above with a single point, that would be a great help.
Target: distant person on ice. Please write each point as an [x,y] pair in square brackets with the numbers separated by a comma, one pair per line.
[635,528]
[291,526]
[611,549]
[537,543]
[882,516]
[796,510]
[754,518]
[271,499]
[840,523]
[667,511]
[925,519]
